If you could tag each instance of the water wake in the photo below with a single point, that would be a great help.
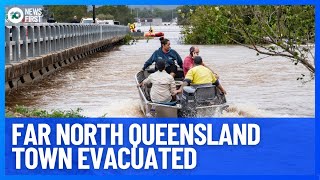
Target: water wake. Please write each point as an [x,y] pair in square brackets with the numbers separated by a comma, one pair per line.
[243,110]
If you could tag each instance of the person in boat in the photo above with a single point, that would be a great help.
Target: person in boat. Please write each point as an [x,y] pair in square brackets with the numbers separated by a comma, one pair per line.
[132,27]
[166,53]
[200,74]
[151,30]
[188,61]
[163,88]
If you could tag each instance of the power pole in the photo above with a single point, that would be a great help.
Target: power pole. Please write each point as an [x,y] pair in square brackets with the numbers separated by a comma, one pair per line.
[172,15]
[137,13]
[94,13]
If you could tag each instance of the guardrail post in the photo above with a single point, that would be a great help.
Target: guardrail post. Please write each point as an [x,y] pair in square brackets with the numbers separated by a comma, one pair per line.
[88,34]
[47,39]
[37,44]
[8,45]
[66,37]
[80,35]
[62,36]
[30,40]
[58,38]
[16,46]
[54,38]
[23,42]
[78,32]
[43,40]
[72,36]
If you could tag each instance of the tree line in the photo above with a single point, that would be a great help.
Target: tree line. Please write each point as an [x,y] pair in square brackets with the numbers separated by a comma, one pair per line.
[121,13]
[287,31]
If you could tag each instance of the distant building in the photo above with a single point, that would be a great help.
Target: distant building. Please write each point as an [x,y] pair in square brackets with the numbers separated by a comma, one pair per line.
[149,21]
[157,21]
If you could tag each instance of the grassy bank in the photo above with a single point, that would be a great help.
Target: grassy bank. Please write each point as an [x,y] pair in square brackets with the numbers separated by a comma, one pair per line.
[22,111]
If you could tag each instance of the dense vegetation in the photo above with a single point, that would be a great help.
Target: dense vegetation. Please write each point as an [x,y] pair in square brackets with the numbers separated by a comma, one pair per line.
[64,14]
[166,15]
[118,13]
[287,31]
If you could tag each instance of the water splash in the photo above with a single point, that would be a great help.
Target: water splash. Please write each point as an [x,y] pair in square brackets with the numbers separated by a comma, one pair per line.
[245,110]
[121,108]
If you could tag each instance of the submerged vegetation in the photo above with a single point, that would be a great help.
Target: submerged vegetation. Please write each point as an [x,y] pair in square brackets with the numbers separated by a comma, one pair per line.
[127,39]
[22,111]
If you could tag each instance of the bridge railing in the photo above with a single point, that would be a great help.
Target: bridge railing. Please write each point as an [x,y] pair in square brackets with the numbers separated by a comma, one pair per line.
[24,41]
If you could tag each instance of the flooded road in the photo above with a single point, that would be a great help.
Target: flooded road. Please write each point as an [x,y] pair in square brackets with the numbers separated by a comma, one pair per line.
[103,84]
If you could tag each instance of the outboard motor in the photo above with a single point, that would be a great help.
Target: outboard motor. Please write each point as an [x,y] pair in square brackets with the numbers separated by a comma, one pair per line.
[201,101]
[188,102]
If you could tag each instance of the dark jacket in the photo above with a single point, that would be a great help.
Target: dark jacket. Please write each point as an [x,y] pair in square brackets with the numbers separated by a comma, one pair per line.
[169,57]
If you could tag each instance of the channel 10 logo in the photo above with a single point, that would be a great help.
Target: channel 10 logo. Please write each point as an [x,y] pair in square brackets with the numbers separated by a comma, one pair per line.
[15,15]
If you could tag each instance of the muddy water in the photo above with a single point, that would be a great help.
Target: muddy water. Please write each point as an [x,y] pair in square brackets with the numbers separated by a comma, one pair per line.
[103,84]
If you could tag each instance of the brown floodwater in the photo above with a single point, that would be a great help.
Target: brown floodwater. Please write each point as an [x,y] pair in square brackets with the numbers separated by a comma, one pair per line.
[103,84]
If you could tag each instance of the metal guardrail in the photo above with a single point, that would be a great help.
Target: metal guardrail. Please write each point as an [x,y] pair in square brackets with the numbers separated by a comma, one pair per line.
[29,40]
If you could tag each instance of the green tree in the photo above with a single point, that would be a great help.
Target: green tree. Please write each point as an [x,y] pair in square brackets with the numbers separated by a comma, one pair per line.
[165,15]
[65,14]
[104,16]
[201,28]
[120,13]
[286,31]
[144,13]
[184,14]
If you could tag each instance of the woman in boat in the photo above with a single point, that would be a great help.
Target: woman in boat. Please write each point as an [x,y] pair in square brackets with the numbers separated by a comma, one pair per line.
[165,53]
[188,61]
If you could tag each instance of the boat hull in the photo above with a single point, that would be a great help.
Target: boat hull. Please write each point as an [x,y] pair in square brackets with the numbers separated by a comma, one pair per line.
[151,109]
[158,34]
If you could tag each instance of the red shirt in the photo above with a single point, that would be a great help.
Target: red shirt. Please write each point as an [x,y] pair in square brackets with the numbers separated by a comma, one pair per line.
[187,64]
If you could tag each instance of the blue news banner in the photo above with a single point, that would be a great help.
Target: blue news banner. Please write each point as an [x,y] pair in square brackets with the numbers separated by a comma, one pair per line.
[160,146]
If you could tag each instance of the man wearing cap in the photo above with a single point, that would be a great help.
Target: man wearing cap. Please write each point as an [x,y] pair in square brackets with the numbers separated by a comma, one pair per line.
[200,74]
[163,88]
